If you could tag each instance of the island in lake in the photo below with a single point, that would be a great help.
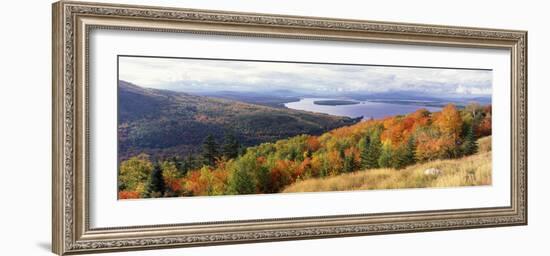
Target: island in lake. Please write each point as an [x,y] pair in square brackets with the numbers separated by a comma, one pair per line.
[335,102]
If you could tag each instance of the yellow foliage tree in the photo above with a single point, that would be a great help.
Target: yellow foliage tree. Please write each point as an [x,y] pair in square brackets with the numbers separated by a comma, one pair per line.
[133,173]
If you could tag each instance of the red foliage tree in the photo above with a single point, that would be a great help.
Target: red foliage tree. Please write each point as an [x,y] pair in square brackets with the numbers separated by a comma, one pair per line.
[485,127]
[128,195]
[313,143]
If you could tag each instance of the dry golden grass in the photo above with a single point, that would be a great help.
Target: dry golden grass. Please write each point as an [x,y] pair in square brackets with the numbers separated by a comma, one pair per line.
[472,170]
[484,144]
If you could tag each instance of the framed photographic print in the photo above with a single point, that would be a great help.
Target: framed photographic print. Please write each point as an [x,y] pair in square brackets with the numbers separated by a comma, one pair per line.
[179,127]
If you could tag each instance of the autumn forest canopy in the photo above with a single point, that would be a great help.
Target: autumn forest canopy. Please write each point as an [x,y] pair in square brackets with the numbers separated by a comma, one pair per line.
[321,147]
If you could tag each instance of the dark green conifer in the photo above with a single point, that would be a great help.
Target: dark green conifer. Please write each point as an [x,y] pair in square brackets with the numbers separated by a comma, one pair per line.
[373,152]
[364,145]
[470,145]
[156,186]
[230,147]
[209,150]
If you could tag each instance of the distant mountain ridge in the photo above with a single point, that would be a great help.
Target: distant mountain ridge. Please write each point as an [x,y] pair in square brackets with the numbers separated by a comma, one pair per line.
[165,123]
[275,98]
[278,98]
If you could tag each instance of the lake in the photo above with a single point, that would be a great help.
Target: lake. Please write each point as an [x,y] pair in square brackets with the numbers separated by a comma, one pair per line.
[367,109]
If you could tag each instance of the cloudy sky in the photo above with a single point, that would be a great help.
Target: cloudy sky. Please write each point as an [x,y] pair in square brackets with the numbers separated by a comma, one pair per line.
[218,75]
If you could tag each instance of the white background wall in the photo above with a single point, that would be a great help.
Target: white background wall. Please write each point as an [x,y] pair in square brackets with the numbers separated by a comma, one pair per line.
[25,114]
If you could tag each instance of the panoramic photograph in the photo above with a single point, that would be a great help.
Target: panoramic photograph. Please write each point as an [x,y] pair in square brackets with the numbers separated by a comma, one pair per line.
[209,127]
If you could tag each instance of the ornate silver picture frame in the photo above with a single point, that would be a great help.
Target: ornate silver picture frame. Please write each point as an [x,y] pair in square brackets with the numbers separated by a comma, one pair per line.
[72,209]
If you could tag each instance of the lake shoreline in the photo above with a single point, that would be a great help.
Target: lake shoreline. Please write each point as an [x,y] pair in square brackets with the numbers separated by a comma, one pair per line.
[367,109]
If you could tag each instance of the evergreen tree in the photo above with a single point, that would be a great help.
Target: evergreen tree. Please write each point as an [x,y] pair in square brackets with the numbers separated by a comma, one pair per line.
[364,145]
[349,163]
[342,156]
[470,143]
[373,153]
[411,151]
[231,146]
[209,150]
[156,186]
[398,160]
[404,155]
[263,179]
[386,157]
[325,167]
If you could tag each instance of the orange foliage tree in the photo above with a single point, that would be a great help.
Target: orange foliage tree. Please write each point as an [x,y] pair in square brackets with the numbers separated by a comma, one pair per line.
[449,121]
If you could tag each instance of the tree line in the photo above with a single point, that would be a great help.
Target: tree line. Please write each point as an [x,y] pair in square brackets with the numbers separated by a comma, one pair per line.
[140,177]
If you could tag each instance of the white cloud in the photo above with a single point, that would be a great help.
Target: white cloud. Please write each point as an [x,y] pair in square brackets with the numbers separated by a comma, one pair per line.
[185,74]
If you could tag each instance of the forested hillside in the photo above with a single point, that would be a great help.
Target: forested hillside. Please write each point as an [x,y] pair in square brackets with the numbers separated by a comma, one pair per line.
[391,143]
[164,123]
